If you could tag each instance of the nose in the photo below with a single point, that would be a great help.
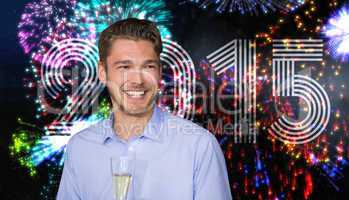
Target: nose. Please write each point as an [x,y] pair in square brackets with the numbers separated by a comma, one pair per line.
[136,76]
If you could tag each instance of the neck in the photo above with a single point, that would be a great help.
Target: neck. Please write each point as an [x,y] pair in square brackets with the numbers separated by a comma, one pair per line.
[127,125]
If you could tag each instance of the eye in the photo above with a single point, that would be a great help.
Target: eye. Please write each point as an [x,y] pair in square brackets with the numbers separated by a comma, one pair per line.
[123,67]
[150,66]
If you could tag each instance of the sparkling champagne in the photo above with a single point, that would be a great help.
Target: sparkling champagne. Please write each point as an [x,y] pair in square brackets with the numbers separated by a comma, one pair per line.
[121,185]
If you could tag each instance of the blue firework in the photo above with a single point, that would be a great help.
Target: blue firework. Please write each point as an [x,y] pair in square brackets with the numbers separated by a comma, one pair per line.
[337,32]
[93,16]
[250,6]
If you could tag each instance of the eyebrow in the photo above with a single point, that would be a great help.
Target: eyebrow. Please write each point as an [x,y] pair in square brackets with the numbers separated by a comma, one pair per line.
[122,62]
[128,62]
[152,62]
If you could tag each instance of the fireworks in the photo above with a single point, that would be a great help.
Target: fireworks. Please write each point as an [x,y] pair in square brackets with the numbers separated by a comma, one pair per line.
[47,22]
[66,54]
[255,169]
[337,31]
[22,142]
[43,23]
[32,149]
[93,16]
[250,6]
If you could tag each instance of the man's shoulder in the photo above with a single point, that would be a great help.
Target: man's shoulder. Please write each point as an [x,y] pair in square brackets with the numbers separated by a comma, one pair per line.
[191,135]
[186,128]
[91,134]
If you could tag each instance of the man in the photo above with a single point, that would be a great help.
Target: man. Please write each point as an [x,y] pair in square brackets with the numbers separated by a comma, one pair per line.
[175,158]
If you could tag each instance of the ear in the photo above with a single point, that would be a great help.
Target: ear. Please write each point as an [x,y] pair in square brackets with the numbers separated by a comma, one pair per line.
[102,72]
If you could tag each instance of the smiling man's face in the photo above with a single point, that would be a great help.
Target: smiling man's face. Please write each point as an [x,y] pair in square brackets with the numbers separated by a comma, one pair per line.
[132,74]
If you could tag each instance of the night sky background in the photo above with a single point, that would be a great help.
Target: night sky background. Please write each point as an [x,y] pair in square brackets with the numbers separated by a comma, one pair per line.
[199,31]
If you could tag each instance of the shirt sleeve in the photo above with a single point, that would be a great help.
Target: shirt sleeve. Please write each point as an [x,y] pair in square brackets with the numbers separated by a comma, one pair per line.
[68,187]
[210,175]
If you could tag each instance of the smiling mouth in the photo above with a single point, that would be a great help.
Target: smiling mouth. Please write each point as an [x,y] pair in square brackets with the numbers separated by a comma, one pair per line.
[135,93]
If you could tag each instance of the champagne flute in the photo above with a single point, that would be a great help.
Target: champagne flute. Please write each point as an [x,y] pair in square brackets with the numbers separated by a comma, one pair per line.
[122,169]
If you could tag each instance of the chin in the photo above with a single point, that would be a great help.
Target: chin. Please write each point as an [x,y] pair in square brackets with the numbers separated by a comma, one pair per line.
[136,111]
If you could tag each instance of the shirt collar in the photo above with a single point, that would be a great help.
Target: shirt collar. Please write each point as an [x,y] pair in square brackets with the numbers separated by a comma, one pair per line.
[151,131]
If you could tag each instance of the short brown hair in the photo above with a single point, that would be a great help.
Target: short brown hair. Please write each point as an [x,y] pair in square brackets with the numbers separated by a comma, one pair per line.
[131,28]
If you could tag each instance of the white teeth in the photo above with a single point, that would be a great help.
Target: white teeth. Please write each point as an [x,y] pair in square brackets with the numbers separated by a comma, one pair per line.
[135,93]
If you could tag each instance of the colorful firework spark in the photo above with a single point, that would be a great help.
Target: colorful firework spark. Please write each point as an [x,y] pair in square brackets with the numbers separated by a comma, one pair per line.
[250,6]
[328,154]
[93,16]
[20,148]
[306,19]
[337,31]
[43,23]
[32,149]
[255,172]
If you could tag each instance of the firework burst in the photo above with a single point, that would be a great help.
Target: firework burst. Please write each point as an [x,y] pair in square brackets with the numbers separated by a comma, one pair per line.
[43,23]
[250,6]
[93,16]
[337,32]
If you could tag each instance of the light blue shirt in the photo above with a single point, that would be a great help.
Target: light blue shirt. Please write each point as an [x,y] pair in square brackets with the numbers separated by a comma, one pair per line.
[175,160]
